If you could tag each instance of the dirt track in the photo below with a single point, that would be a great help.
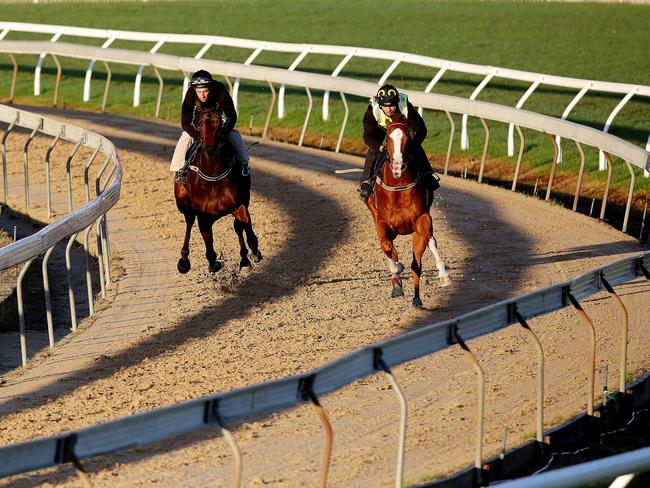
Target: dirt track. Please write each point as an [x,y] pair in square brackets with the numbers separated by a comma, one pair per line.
[321,291]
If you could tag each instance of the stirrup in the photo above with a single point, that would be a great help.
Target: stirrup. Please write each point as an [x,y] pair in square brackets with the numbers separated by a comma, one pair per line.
[244,169]
[365,189]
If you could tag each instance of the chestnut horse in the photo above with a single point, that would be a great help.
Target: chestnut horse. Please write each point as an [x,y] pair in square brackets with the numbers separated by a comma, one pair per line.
[400,205]
[214,187]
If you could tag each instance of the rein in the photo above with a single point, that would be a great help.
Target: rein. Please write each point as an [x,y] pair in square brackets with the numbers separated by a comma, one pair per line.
[210,178]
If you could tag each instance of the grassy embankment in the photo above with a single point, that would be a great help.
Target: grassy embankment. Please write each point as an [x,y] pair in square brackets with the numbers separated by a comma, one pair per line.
[593,41]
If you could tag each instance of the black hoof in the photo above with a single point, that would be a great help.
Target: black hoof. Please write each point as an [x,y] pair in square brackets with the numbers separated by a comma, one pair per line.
[256,257]
[214,267]
[245,264]
[183,265]
[398,291]
[417,302]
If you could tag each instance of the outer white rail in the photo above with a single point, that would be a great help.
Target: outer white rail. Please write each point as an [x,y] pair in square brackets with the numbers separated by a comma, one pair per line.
[588,473]
[160,424]
[443,66]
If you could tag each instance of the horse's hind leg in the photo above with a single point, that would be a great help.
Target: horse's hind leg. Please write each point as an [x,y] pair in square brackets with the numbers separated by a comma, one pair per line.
[443,274]
[251,239]
[386,238]
[184,262]
[239,227]
[205,226]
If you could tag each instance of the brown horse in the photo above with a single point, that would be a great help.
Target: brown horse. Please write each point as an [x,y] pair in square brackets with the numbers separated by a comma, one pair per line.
[215,187]
[400,205]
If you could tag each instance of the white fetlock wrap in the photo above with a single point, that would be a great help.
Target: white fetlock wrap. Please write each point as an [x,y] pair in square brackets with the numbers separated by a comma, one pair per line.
[395,267]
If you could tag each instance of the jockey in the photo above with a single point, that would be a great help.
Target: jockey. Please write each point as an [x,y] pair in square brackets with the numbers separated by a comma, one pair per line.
[381,109]
[205,93]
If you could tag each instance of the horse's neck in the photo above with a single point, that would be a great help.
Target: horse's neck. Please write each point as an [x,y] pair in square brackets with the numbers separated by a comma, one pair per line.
[214,161]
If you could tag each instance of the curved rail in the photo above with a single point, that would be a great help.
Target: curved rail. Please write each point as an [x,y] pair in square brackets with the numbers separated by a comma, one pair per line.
[66,228]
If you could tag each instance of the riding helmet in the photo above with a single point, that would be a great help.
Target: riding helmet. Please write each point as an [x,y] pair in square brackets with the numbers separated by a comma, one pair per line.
[201,79]
[387,96]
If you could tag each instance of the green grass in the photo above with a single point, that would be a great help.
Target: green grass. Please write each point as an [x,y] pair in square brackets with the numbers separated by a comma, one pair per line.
[597,41]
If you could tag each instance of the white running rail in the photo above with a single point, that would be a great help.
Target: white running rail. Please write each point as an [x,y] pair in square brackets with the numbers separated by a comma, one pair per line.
[443,66]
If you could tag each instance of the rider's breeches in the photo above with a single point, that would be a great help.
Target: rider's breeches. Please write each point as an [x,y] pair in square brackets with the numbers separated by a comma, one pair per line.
[185,141]
[371,157]
[420,157]
[183,144]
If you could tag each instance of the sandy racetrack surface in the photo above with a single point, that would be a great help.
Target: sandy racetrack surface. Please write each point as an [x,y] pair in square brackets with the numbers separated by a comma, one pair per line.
[321,291]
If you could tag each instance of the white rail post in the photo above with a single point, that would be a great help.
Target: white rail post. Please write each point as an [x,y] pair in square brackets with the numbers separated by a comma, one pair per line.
[335,73]
[464,137]
[647,148]
[89,71]
[39,66]
[390,70]
[138,77]
[293,67]
[48,301]
[434,81]
[48,189]
[566,113]
[235,88]
[520,103]
[68,267]
[602,164]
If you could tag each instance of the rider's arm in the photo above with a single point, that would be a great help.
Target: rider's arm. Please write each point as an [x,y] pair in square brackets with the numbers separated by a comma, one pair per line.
[373,135]
[228,107]
[416,124]
[187,115]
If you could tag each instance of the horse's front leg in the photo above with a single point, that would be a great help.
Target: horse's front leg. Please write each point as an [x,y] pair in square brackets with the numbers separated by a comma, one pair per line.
[386,237]
[421,234]
[205,226]
[184,262]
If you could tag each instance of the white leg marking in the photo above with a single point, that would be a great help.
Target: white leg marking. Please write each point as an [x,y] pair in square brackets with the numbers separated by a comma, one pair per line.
[443,274]
[395,267]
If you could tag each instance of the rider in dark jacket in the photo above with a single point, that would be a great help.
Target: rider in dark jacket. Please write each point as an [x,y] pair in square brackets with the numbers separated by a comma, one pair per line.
[382,108]
[205,93]
[217,97]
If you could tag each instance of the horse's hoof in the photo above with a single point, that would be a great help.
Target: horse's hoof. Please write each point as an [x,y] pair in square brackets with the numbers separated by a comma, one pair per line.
[214,267]
[183,265]
[417,302]
[257,257]
[245,264]
[445,281]
[398,291]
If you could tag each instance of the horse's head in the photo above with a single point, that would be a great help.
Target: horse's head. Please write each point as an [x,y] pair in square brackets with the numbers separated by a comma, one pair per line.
[397,137]
[210,124]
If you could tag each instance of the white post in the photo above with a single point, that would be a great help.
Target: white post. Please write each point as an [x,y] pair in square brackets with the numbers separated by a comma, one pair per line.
[138,77]
[464,138]
[293,66]
[390,70]
[89,71]
[251,58]
[602,164]
[337,70]
[566,113]
[433,82]
[520,103]
[39,65]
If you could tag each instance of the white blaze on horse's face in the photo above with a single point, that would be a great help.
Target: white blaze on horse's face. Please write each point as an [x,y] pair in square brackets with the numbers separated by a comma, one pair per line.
[397,163]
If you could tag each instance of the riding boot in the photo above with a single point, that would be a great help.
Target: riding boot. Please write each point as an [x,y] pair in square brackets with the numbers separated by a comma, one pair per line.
[182,173]
[366,183]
